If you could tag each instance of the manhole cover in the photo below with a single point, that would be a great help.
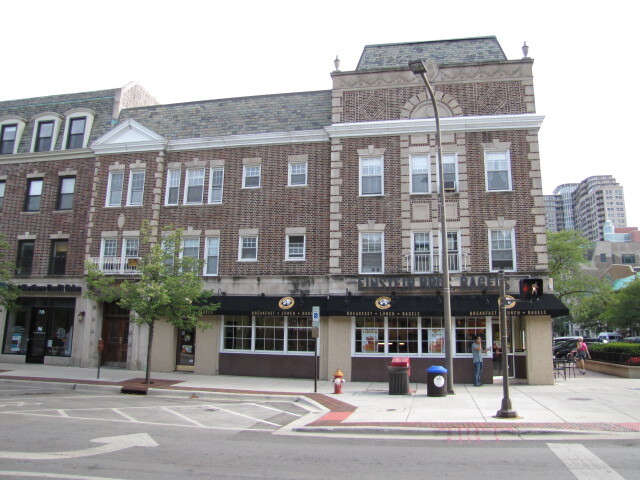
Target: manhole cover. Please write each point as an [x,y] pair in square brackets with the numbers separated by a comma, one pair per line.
[578,398]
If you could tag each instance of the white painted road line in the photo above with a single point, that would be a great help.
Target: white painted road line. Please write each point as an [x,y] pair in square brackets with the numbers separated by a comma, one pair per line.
[582,463]
[10,474]
[110,444]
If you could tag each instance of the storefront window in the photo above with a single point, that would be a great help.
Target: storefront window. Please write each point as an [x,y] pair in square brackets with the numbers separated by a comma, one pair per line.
[269,334]
[403,336]
[60,333]
[432,335]
[16,332]
[467,329]
[370,337]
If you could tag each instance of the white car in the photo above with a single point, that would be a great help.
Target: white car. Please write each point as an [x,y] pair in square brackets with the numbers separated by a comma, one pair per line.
[610,337]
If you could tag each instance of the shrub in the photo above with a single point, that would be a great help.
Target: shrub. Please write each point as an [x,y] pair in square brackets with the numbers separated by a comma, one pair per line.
[616,347]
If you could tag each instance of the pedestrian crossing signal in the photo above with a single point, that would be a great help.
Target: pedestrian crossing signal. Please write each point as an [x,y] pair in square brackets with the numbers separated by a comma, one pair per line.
[530,288]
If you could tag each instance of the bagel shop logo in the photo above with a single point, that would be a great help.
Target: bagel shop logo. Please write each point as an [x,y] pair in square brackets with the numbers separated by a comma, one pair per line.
[382,303]
[286,303]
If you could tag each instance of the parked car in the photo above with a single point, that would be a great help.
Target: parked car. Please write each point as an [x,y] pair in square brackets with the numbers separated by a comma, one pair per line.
[560,350]
[610,336]
[558,340]
[631,340]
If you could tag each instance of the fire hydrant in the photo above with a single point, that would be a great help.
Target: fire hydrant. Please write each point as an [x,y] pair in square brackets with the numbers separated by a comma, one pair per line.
[338,382]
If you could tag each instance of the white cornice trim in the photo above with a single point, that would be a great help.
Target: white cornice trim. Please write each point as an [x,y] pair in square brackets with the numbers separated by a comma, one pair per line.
[272,138]
[428,125]
[46,156]
[129,136]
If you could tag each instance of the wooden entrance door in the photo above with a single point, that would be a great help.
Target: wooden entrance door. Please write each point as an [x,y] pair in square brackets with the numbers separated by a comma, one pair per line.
[115,333]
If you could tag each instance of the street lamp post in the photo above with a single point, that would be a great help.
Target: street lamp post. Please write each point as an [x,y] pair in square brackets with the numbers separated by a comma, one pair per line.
[418,67]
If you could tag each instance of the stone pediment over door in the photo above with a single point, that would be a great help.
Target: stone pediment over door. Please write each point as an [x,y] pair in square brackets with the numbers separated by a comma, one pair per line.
[130,136]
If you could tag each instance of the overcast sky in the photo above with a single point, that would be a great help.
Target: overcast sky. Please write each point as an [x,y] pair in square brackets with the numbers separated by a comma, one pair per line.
[585,83]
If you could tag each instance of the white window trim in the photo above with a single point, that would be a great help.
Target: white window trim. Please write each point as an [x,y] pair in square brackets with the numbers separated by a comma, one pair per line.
[411,159]
[79,113]
[513,249]
[124,247]
[240,259]
[108,196]
[206,257]
[306,174]
[129,187]
[360,252]
[19,130]
[186,186]
[46,117]
[457,172]
[284,351]
[413,253]
[102,247]
[360,177]
[486,169]
[244,175]
[166,193]
[451,252]
[304,248]
[210,195]
[183,242]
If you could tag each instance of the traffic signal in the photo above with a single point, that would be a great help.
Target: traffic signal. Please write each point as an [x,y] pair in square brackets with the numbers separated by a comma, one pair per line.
[530,288]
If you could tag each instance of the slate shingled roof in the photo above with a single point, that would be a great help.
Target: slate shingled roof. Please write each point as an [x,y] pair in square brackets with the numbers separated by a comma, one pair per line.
[236,116]
[442,52]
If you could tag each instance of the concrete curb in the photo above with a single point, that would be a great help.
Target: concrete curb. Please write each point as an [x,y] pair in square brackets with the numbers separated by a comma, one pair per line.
[443,432]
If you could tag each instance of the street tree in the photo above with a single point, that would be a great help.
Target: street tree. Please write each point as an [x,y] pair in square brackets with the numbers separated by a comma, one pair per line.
[624,309]
[167,285]
[9,292]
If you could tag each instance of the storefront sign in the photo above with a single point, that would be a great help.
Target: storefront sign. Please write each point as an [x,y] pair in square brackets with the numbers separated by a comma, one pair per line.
[51,288]
[428,282]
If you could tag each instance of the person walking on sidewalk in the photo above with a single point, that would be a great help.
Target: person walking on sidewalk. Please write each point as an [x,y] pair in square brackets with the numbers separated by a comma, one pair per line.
[582,352]
[477,351]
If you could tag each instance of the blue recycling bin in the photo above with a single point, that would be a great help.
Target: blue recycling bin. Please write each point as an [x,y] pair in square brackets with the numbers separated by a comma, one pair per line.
[436,381]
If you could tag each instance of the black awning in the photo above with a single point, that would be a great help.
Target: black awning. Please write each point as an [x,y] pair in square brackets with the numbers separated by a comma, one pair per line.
[381,305]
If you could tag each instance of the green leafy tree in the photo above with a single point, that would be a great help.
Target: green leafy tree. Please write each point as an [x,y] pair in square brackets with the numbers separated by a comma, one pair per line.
[166,286]
[624,309]
[8,291]
[590,311]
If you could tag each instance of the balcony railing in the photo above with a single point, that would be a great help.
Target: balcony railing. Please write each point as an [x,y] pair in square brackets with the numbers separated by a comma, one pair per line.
[116,265]
[427,263]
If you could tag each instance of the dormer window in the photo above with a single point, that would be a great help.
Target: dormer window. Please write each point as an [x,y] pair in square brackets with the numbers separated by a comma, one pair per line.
[44,136]
[77,127]
[8,138]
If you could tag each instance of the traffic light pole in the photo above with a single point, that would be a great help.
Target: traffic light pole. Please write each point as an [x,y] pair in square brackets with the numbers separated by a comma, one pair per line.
[506,411]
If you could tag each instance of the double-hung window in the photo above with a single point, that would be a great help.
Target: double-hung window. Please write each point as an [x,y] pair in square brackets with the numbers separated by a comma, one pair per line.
[502,254]
[194,186]
[75,138]
[65,193]
[371,176]
[131,253]
[173,187]
[422,261]
[114,189]
[297,174]
[248,249]
[295,247]
[212,256]
[8,138]
[108,255]
[216,182]
[498,170]
[420,174]
[34,195]
[58,260]
[371,253]
[25,257]
[191,253]
[136,188]
[2,188]
[453,248]
[251,176]
[44,136]
[450,172]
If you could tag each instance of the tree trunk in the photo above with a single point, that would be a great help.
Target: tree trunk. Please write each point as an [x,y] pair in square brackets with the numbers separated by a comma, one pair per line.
[147,378]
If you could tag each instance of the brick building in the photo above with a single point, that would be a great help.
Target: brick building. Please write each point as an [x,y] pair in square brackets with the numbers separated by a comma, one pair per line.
[329,199]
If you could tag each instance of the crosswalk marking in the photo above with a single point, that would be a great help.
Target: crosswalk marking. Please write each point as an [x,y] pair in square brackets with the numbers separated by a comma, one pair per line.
[582,463]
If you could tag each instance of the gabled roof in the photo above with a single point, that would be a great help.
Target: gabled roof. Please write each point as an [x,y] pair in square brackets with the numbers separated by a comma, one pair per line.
[128,135]
[441,52]
[236,116]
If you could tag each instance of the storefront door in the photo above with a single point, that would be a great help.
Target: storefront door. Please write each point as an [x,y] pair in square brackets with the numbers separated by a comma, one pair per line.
[115,333]
[37,335]
[186,350]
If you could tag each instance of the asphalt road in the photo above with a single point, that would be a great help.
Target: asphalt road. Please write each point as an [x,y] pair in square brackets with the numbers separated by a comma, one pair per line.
[50,433]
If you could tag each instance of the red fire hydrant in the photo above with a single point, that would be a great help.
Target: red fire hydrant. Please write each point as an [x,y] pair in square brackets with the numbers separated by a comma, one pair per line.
[338,382]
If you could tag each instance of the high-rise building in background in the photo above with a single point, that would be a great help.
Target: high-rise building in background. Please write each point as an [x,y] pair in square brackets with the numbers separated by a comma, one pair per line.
[586,206]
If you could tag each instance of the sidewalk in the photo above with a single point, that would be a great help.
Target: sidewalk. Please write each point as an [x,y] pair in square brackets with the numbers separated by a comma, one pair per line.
[594,402]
